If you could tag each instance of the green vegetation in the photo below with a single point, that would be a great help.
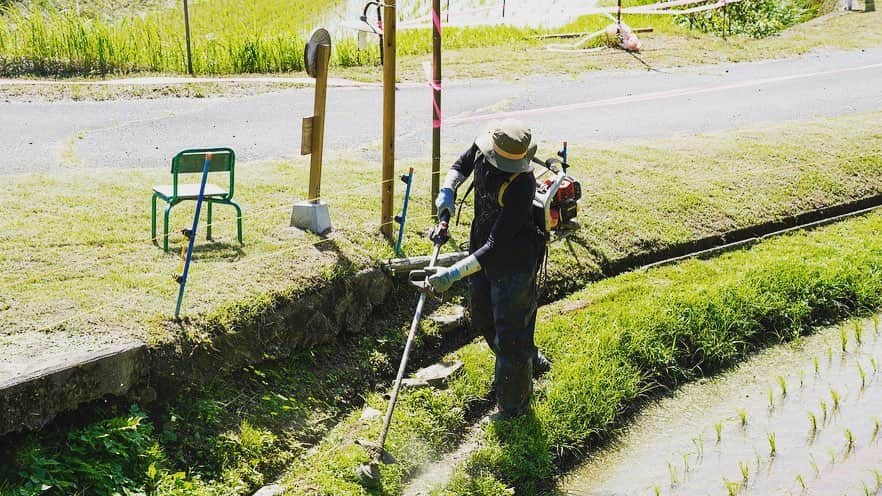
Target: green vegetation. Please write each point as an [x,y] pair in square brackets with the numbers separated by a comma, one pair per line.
[229,436]
[644,331]
[755,18]
[42,37]
[640,332]
[239,434]
[230,36]
[656,198]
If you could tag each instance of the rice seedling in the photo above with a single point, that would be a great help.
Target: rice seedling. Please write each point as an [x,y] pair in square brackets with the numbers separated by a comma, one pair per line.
[866,489]
[817,365]
[801,482]
[832,456]
[829,355]
[656,490]
[863,375]
[801,379]
[742,417]
[824,412]
[782,383]
[732,488]
[718,428]
[843,337]
[698,442]
[672,472]
[813,423]
[874,364]
[773,449]
[685,462]
[834,395]
[814,464]
[876,324]
[878,476]
[745,471]
[849,441]
[858,332]
[771,396]
[875,434]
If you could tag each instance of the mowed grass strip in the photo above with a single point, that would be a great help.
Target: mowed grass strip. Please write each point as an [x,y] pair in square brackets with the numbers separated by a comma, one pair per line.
[613,345]
[81,257]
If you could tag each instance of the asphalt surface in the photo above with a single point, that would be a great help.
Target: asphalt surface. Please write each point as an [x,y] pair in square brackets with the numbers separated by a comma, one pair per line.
[601,106]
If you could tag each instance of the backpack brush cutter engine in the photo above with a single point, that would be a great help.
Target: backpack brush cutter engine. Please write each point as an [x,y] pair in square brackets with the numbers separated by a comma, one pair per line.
[556,203]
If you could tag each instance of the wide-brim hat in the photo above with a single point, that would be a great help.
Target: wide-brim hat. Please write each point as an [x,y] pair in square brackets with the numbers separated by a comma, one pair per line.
[507,146]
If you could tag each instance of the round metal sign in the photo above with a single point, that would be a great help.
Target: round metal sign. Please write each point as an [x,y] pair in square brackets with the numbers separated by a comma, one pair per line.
[310,53]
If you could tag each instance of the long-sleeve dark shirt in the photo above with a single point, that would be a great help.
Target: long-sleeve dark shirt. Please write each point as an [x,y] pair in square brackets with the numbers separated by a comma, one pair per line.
[503,238]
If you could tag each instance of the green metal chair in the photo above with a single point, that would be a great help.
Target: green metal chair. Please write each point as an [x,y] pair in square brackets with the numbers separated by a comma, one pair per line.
[192,162]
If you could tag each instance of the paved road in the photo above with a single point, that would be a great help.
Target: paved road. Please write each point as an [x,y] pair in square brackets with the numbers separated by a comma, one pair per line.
[600,106]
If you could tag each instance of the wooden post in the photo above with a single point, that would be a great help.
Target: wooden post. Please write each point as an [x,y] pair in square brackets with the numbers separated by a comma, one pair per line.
[323,53]
[436,94]
[389,73]
[187,34]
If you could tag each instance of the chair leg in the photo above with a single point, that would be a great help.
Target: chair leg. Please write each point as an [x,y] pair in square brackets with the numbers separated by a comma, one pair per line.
[153,220]
[165,227]
[208,225]
[238,220]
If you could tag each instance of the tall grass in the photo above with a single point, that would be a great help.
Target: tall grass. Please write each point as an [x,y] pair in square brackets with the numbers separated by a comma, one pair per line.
[229,36]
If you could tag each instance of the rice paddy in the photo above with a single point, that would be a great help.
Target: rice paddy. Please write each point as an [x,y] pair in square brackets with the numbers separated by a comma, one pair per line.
[778,453]
[229,36]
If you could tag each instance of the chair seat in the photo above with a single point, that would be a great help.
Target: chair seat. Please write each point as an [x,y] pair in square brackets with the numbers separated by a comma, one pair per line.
[189,191]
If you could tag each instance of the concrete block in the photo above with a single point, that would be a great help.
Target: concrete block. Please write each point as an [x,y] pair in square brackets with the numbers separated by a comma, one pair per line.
[314,217]
[33,397]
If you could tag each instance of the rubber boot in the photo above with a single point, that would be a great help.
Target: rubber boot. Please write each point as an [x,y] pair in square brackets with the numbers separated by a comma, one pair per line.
[514,386]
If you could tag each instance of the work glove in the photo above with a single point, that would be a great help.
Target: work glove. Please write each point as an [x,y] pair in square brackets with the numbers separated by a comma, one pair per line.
[443,278]
[445,202]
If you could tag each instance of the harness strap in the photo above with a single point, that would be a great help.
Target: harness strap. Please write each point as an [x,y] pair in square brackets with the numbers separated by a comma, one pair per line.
[505,187]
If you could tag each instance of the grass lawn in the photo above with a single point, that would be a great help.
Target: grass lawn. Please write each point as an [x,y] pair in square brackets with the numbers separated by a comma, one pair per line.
[79,261]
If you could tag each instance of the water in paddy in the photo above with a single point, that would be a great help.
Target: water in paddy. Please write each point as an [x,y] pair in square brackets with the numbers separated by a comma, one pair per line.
[673,446]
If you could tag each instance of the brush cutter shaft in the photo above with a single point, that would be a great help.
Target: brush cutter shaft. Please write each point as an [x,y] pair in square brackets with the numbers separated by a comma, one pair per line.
[401,368]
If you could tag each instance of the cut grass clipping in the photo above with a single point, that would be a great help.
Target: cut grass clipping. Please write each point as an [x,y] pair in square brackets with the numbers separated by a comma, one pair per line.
[639,332]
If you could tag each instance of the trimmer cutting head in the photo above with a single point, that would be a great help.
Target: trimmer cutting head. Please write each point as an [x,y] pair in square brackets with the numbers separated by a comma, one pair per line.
[368,475]
[377,452]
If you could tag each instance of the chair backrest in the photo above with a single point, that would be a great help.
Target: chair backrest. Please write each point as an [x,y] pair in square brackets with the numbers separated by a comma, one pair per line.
[192,161]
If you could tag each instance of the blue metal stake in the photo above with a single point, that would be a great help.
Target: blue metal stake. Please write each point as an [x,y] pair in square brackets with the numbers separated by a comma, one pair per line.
[182,280]
[402,219]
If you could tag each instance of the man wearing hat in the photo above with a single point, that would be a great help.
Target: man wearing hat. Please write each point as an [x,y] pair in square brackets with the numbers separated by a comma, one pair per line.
[505,250]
